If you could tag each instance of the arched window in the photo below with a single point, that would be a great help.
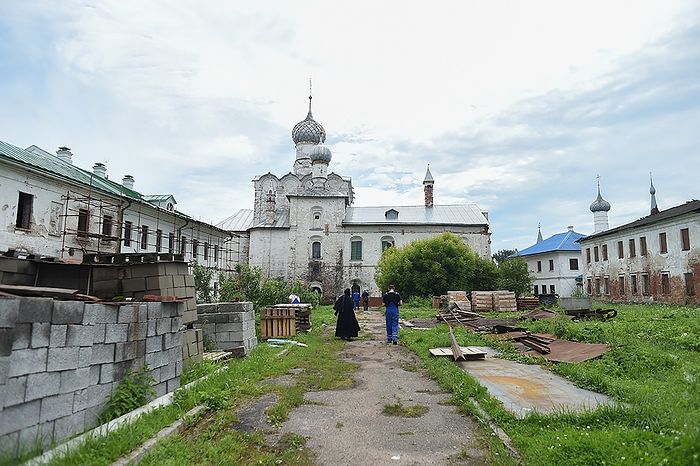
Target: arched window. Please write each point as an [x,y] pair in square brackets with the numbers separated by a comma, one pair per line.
[315,247]
[356,248]
[387,242]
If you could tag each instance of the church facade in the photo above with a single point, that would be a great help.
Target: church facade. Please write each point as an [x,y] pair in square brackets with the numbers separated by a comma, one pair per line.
[303,225]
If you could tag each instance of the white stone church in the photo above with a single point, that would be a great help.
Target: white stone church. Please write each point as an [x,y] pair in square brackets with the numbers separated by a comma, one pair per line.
[303,225]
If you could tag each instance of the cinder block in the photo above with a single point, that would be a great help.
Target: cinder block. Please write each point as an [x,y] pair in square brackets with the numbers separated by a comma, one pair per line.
[151,327]
[128,313]
[154,311]
[167,341]
[116,333]
[89,315]
[22,335]
[58,335]
[138,331]
[161,388]
[107,373]
[68,312]
[6,338]
[4,369]
[15,389]
[178,368]
[146,270]
[79,335]
[178,280]
[154,344]
[131,285]
[105,273]
[159,282]
[69,425]
[35,310]
[19,417]
[42,384]
[155,359]
[173,384]
[75,380]
[9,444]
[41,333]
[94,374]
[129,350]
[98,333]
[27,361]
[163,326]
[143,312]
[105,313]
[85,356]
[102,353]
[177,338]
[97,394]
[9,312]
[61,359]
[189,281]
[54,407]
[92,416]
[191,304]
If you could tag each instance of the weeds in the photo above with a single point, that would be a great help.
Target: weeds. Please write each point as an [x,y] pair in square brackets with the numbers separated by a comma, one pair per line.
[134,391]
[399,410]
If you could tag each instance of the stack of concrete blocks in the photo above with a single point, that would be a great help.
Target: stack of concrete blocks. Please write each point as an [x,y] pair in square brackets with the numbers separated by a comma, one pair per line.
[230,325]
[17,272]
[61,360]
[192,346]
[165,278]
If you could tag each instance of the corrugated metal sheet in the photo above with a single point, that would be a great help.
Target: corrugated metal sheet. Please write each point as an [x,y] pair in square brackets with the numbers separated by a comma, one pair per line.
[560,242]
[157,197]
[467,214]
[56,166]
[282,221]
[240,221]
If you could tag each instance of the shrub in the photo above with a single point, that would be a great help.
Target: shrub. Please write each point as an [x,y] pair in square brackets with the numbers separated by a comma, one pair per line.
[134,391]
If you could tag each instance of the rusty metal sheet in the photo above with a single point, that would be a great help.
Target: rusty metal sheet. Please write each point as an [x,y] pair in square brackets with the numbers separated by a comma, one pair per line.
[573,351]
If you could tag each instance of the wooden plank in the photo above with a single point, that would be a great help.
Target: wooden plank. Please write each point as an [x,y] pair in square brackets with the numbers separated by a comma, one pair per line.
[45,291]
[470,353]
[456,350]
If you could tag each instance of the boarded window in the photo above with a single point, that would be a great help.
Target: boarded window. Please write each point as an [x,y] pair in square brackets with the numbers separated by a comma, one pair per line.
[551,289]
[539,266]
[206,251]
[606,285]
[596,257]
[620,250]
[597,286]
[107,222]
[646,288]
[663,246]
[685,239]
[316,250]
[633,250]
[643,246]
[633,281]
[128,226]
[689,288]
[356,250]
[665,284]
[183,245]
[605,252]
[144,236]
[551,265]
[573,264]
[83,224]
[588,255]
[195,248]
[171,243]
[536,290]
[24,210]
[621,285]
[159,240]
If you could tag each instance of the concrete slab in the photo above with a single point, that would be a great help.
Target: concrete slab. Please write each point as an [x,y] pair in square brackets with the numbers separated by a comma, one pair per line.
[526,388]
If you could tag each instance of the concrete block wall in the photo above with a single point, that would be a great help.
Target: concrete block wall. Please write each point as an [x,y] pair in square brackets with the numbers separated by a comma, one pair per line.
[192,346]
[61,360]
[229,325]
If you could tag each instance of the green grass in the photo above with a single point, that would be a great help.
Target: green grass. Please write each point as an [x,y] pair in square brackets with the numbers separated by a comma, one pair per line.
[653,369]
[212,439]
[399,410]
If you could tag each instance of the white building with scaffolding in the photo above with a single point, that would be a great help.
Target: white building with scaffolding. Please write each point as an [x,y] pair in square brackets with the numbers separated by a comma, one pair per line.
[52,208]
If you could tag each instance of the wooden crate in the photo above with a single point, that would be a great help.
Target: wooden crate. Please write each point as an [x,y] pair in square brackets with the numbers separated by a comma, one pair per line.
[274,312]
[277,327]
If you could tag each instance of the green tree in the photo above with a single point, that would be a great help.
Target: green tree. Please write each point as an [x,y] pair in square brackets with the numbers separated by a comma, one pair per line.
[503,255]
[202,282]
[432,266]
[515,276]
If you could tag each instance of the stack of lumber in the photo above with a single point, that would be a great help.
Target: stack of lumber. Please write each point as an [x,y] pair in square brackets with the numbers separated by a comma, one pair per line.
[528,302]
[456,296]
[482,301]
[504,300]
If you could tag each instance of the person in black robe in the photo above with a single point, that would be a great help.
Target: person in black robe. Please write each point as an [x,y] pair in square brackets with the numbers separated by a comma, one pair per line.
[346,326]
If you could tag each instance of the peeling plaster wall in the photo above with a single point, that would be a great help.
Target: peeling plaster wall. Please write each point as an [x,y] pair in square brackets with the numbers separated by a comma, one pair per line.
[676,263]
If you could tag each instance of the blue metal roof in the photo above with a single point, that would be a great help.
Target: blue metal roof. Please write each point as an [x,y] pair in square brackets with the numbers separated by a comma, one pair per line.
[560,242]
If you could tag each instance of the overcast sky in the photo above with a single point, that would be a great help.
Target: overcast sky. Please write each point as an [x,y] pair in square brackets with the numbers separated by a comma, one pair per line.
[516,105]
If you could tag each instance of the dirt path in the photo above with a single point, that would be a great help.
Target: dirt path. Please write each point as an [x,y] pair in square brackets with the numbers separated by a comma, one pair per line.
[347,427]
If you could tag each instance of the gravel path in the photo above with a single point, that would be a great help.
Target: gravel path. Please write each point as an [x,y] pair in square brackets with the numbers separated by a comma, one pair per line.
[347,427]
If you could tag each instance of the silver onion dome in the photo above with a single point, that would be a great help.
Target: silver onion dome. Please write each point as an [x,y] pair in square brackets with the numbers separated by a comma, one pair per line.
[600,204]
[308,130]
[320,154]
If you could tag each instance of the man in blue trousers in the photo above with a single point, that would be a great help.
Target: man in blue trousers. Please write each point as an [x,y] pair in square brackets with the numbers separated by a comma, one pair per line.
[392,301]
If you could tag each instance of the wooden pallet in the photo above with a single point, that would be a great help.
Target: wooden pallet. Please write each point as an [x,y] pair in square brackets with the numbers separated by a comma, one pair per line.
[469,352]
[277,327]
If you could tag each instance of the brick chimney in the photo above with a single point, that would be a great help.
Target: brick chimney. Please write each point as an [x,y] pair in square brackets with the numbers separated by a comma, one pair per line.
[428,183]
[64,153]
